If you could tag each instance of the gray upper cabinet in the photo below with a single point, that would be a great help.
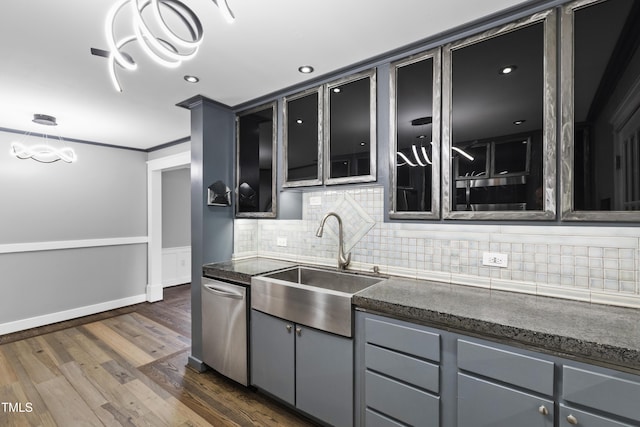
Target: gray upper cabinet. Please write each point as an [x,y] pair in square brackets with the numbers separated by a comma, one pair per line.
[600,110]
[350,129]
[499,122]
[256,162]
[415,97]
[303,138]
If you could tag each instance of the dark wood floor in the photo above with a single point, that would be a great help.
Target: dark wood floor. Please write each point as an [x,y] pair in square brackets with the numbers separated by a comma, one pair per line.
[125,367]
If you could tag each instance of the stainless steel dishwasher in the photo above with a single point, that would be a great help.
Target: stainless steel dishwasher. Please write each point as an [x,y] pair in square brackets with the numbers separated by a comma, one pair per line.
[224,328]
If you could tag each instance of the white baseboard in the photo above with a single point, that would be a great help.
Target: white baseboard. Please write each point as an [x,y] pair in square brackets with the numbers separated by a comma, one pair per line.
[47,319]
[176,281]
[154,293]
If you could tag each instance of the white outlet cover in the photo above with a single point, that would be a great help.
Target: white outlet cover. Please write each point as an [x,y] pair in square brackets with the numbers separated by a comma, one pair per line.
[281,241]
[315,201]
[494,259]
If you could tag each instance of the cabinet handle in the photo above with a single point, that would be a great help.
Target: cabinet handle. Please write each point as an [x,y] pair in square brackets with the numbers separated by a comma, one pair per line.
[572,420]
[288,328]
[299,331]
[543,410]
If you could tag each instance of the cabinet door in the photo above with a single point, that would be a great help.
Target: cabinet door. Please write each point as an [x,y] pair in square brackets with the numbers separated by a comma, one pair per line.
[272,355]
[572,417]
[324,376]
[485,404]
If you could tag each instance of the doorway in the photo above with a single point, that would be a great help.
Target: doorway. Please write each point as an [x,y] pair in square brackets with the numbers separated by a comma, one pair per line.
[155,168]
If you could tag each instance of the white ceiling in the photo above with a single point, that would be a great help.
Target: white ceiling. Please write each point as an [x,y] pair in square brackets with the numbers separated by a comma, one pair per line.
[47,67]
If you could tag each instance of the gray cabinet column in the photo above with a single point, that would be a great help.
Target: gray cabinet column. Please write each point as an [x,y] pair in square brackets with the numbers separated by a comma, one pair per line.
[212,159]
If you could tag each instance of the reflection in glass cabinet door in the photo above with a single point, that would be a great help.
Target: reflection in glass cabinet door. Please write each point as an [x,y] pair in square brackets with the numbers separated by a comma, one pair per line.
[415,132]
[499,96]
[350,129]
[255,157]
[600,119]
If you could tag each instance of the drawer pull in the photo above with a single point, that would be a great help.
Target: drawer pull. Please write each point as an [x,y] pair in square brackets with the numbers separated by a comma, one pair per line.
[543,410]
[572,420]
[288,328]
[299,331]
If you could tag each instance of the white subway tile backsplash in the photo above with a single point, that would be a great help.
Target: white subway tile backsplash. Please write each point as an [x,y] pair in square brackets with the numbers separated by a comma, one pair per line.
[597,264]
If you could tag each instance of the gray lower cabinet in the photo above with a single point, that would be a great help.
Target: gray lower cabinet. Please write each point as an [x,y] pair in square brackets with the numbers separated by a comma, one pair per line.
[502,388]
[485,404]
[607,398]
[401,374]
[409,374]
[273,355]
[574,417]
[307,368]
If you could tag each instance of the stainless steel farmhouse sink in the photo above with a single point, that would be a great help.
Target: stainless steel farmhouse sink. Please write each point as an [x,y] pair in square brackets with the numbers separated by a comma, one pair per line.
[314,297]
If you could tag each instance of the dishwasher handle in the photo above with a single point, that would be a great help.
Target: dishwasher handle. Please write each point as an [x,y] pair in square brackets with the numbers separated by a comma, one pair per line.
[223,292]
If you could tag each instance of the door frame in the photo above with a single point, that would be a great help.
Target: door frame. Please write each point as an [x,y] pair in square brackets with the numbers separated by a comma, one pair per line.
[155,168]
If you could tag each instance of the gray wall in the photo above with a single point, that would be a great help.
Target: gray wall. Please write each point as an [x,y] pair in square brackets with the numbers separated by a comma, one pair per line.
[176,208]
[102,195]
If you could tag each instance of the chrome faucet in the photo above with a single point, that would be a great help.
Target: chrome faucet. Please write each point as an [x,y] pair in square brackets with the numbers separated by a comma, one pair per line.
[343,261]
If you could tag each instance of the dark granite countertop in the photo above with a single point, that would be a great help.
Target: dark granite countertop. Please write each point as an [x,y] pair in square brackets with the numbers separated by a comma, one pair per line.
[241,271]
[592,333]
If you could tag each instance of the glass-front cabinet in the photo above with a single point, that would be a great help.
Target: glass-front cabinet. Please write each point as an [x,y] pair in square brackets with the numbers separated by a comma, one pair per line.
[600,110]
[330,133]
[256,162]
[414,156]
[350,129]
[303,138]
[473,124]
[499,122]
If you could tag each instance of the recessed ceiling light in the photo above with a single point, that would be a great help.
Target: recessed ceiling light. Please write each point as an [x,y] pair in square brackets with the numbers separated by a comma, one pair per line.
[299,121]
[306,69]
[519,122]
[363,143]
[191,79]
[337,90]
[507,70]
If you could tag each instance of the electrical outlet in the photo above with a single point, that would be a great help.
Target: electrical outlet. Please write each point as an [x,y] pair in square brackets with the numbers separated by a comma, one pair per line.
[281,241]
[315,201]
[495,259]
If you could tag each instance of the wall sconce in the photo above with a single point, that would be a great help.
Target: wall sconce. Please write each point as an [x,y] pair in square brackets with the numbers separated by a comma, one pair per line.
[218,194]
[44,153]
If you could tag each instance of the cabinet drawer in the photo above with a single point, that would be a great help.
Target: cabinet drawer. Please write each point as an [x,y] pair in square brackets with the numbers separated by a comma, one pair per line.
[585,419]
[485,404]
[400,401]
[523,371]
[607,393]
[404,337]
[373,419]
[402,367]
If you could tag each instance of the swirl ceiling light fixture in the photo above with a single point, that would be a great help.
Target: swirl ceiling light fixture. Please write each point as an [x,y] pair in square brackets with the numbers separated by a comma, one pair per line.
[43,153]
[155,36]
